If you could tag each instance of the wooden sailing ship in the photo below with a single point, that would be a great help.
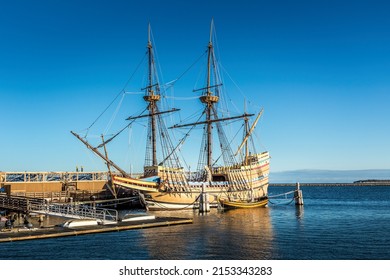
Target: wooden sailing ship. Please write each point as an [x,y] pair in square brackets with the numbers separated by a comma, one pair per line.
[165,185]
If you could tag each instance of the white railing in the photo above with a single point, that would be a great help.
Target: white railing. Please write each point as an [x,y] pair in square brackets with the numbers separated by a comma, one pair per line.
[14,177]
[75,211]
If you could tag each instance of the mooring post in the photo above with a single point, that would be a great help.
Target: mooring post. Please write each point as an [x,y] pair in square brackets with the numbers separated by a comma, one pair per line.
[204,205]
[298,196]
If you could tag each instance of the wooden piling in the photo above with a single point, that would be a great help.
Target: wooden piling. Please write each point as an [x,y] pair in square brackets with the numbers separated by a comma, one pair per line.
[204,204]
[298,196]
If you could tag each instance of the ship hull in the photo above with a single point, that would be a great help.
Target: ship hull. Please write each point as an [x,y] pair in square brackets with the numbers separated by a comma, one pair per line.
[190,200]
[173,192]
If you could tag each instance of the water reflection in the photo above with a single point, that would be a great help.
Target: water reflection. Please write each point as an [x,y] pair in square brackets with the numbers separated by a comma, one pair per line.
[299,212]
[233,234]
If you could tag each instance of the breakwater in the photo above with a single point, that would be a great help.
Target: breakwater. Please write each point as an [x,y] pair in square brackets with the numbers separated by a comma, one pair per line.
[354,184]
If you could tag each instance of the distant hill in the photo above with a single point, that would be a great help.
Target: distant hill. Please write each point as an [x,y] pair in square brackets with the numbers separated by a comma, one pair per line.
[328,176]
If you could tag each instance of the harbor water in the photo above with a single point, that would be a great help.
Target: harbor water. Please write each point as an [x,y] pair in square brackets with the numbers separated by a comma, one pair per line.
[335,223]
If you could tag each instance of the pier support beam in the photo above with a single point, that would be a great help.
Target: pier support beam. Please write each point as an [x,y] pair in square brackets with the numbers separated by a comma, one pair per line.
[204,205]
[298,197]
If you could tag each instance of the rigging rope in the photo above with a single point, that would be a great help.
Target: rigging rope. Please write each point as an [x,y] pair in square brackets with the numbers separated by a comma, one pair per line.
[226,150]
[188,69]
[120,131]
[181,142]
[215,162]
[114,115]
[182,98]
[120,92]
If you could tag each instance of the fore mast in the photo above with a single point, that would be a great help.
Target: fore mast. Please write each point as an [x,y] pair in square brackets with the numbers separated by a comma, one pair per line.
[210,99]
[160,151]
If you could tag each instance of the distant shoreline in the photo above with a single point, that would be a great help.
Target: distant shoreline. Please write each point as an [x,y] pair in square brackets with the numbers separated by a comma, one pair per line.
[355,184]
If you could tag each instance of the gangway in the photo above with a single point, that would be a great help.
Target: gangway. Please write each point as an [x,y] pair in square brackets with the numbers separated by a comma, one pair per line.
[101,215]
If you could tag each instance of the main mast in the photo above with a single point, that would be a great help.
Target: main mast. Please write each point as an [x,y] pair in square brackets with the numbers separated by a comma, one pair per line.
[209,99]
[152,98]
[212,120]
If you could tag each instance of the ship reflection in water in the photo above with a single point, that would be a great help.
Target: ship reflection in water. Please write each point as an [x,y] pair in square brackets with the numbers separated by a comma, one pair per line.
[233,234]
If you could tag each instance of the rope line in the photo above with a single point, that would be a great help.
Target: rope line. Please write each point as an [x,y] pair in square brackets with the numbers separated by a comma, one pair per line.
[282,194]
[188,69]
[119,93]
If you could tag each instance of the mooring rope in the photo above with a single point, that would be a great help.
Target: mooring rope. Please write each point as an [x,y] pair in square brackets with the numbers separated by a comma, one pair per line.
[282,194]
[286,203]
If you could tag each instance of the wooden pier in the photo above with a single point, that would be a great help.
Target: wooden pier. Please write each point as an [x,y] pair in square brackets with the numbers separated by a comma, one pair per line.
[107,220]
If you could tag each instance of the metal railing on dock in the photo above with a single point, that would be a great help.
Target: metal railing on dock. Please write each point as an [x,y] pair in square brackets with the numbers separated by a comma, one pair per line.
[75,211]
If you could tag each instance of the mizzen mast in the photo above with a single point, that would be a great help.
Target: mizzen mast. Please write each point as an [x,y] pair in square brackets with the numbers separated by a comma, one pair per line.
[248,132]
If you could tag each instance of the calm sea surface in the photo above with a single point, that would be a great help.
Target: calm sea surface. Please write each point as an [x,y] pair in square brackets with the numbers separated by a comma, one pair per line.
[335,223]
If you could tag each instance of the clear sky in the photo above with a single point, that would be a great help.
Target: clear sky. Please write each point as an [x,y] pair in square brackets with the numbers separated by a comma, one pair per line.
[320,69]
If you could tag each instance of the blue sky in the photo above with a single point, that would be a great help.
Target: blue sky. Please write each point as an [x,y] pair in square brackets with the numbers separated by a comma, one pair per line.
[320,70]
